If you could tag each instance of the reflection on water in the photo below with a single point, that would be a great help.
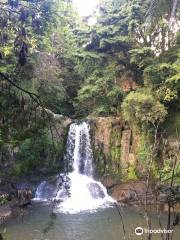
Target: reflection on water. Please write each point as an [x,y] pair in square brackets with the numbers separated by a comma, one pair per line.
[104,224]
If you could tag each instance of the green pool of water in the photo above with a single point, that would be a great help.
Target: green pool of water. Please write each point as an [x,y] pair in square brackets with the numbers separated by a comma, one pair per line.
[104,224]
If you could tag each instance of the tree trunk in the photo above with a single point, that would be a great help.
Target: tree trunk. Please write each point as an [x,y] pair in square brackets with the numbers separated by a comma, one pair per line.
[174,6]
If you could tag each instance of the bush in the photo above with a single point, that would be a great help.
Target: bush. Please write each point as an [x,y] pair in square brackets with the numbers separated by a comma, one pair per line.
[143,109]
[132,173]
[155,75]
[35,153]
[100,97]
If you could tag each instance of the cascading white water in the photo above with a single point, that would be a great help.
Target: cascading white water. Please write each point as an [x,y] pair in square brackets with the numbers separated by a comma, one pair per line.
[82,152]
[79,191]
[85,192]
[40,191]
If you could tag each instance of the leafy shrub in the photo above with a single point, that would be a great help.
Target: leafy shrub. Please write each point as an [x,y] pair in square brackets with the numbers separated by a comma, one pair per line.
[132,173]
[143,109]
[35,153]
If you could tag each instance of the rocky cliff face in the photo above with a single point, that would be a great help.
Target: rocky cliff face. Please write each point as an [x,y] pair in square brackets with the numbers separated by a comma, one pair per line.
[118,150]
[114,146]
[120,156]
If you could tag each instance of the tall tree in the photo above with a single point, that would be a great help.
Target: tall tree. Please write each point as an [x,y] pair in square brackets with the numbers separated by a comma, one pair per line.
[162,8]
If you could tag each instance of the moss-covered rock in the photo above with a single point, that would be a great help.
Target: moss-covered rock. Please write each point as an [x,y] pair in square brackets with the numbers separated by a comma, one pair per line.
[114,148]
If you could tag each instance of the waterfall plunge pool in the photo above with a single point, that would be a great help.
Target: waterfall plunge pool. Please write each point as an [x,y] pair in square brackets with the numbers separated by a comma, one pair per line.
[83,212]
[104,224]
[76,191]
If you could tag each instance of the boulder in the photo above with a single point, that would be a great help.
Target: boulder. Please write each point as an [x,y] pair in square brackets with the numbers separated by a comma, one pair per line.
[108,181]
[132,192]
[96,191]
[5,213]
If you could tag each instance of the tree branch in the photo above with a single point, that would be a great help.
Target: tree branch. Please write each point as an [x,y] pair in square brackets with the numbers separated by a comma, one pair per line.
[34,96]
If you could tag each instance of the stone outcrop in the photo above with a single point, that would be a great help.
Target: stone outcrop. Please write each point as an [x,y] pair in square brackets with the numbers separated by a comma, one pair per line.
[113,145]
[5,213]
[117,147]
[131,192]
[125,147]
[117,159]
[59,127]
[127,83]
[109,181]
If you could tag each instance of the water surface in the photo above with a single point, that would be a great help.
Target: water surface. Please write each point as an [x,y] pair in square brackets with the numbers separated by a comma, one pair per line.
[104,224]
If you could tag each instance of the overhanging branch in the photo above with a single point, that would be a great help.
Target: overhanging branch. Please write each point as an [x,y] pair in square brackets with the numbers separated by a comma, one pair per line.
[32,95]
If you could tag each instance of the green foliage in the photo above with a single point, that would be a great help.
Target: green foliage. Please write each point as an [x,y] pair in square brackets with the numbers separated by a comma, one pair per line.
[117,44]
[88,62]
[144,151]
[142,56]
[142,108]
[157,74]
[132,173]
[35,153]
[115,151]
[22,23]
[78,70]
[174,80]
[172,124]
[166,172]
[159,8]
[48,71]
[3,199]
[147,157]
[166,94]
[109,5]
[99,97]
[163,77]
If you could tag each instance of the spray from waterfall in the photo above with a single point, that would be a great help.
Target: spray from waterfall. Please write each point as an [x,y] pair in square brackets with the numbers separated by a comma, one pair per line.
[78,190]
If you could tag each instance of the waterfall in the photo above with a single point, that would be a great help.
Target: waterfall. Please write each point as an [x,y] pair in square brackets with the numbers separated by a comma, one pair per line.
[79,149]
[78,191]
[40,191]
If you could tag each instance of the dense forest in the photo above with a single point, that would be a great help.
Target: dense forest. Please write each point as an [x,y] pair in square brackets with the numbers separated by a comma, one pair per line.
[54,63]
[56,67]
[52,60]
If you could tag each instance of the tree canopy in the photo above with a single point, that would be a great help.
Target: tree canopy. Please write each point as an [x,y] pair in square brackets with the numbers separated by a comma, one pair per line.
[52,59]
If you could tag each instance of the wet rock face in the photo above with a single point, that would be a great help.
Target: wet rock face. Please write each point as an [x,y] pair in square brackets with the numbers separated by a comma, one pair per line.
[132,192]
[114,146]
[63,186]
[47,191]
[17,194]
[106,142]
[7,157]
[95,190]
[127,83]
[108,181]
[5,213]
[125,147]
[102,130]
[47,188]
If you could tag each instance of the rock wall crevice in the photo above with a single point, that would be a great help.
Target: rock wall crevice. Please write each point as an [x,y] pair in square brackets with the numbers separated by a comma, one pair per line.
[113,146]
